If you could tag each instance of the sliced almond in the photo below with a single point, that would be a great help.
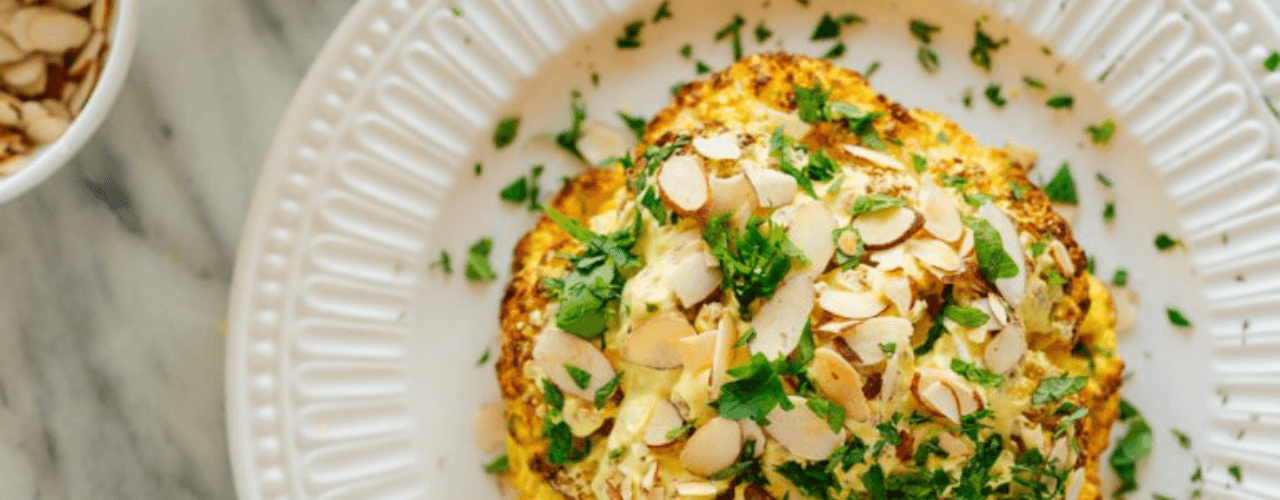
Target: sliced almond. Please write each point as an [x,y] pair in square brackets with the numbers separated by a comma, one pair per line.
[874,157]
[851,305]
[772,188]
[712,448]
[664,420]
[893,371]
[847,242]
[897,289]
[1032,436]
[941,217]
[718,147]
[936,254]
[953,445]
[875,332]
[72,5]
[656,342]
[554,349]
[1126,305]
[1005,351]
[810,231]
[698,489]
[1013,289]
[85,87]
[790,121]
[489,431]
[696,351]
[839,382]
[50,30]
[9,114]
[945,393]
[751,431]
[1022,155]
[938,398]
[1075,483]
[597,143]
[89,55]
[27,77]
[729,194]
[9,52]
[998,311]
[694,279]
[1067,212]
[1062,257]
[781,319]
[47,129]
[886,228]
[12,164]
[726,336]
[1060,454]
[801,432]
[684,184]
[966,243]
[582,417]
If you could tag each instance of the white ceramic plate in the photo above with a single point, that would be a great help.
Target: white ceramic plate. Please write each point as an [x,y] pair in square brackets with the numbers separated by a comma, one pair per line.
[352,364]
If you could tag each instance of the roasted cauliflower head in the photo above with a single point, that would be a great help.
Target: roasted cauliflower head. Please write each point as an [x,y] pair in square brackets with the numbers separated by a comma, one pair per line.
[796,288]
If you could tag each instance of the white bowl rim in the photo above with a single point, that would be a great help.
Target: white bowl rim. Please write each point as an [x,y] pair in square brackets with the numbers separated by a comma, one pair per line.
[49,159]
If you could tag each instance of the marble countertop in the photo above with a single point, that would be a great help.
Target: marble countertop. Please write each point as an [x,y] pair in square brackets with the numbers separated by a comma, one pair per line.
[116,271]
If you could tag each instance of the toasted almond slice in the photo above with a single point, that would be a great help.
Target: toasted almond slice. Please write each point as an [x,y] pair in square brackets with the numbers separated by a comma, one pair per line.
[694,279]
[72,5]
[582,417]
[851,305]
[966,243]
[935,254]
[597,143]
[98,14]
[887,228]
[953,445]
[26,75]
[897,289]
[1075,483]
[941,217]
[47,129]
[696,351]
[9,114]
[489,431]
[9,52]
[839,382]
[665,419]
[712,448]
[1067,212]
[88,54]
[1125,301]
[893,371]
[838,327]
[1062,257]
[656,342]
[1032,436]
[810,231]
[726,336]
[554,349]
[874,157]
[969,399]
[1060,453]
[772,188]
[684,184]
[998,311]
[938,398]
[790,121]
[1022,155]
[85,87]
[751,431]
[801,432]
[698,489]
[728,194]
[1013,289]
[54,30]
[781,319]
[871,334]
[847,243]
[718,147]
[12,164]
[1005,351]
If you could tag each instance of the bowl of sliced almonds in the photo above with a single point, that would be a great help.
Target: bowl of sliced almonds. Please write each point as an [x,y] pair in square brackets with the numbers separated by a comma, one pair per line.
[62,63]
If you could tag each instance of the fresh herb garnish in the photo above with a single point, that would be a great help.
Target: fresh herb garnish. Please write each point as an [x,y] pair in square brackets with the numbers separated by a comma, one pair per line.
[973,373]
[811,103]
[1060,101]
[971,317]
[871,69]
[928,58]
[1183,439]
[498,466]
[662,12]
[993,94]
[1235,472]
[630,38]
[1133,446]
[1055,279]
[919,163]
[686,50]
[1164,242]
[745,338]
[1177,318]
[581,378]
[636,123]
[478,169]
[889,348]
[983,47]
[1109,212]
[1272,63]
[1073,413]
[836,51]
[525,189]
[1062,187]
[763,33]
[562,447]
[874,203]
[813,479]
[828,28]
[992,258]
[478,266]
[827,410]
[848,261]
[733,31]
[552,395]
[1034,83]
[506,131]
[1101,133]
[606,391]
[484,357]
[444,262]
[746,468]
[701,68]
[596,278]
[1104,180]
[682,431]
[1052,389]
[568,139]
[966,98]
[755,391]
[923,31]
[1120,277]
[1018,190]
[976,200]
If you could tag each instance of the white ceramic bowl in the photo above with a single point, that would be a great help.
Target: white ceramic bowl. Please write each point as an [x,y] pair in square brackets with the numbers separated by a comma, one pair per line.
[49,158]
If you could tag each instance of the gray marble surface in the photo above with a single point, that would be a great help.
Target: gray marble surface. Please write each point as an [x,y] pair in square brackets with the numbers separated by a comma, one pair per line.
[116,271]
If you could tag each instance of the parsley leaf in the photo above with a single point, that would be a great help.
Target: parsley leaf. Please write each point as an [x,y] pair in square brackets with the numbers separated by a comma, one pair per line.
[568,139]
[506,131]
[605,391]
[874,203]
[498,466]
[1130,449]
[828,28]
[597,277]
[983,46]
[552,394]
[1060,101]
[686,50]
[812,103]
[1018,190]
[733,31]
[973,373]
[836,51]
[478,266]
[1034,83]
[1062,187]
[871,69]
[1234,470]
[1055,388]
[701,68]
[763,33]
[923,31]
[524,189]
[919,163]
[827,410]
[971,317]
[754,261]
[636,123]
[755,391]
[1164,242]
[746,338]
[812,479]
[993,95]
[1109,212]
[1120,277]
[1183,440]
[928,59]
[746,468]
[1104,180]
[562,447]
[1177,318]
[478,169]
[1101,133]
[444,262]
[992,258]
[484,357]
[663,12]
[931,337]
[1272,63]
[630,38]
[1076,413]
[581,378]
[845,260]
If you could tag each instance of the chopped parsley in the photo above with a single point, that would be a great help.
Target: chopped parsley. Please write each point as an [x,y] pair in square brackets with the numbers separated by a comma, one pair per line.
[1120,277]
[733,31]
[836,51]
[1052,389]
[682,431]
[811,103]
[636,123]
[754,261]
[506,131]
[581,378]
[686,50]
[1055,279]
[966,98]
[919,163]
[524,190]
[562,447]
[746,338]
[756,389]
[827,410]
[484,357]
[444,262]
[747,468]
[701,68]
[928,58]
[630,38]
[871,69]
[596,278]
[992,258]
[1130,449]
[1060,101]
[976,200]
[1101,133]
[1272,63]
[568,139]
[763,33]
[923,31]
[1177,318]
[848,261]
[605,391]
[1073,413]
[971,317]
[993,95]
[498,466]
[828,27]
[663,12]
[814,479]
[1034,83]
[552,395]
[889,348]
[983,47]
[1018,190]
[1183,440]
[875,203]
[1234,470]
[1165,242]
[478,169]
[1062,187]
[973,373]
[478,266]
